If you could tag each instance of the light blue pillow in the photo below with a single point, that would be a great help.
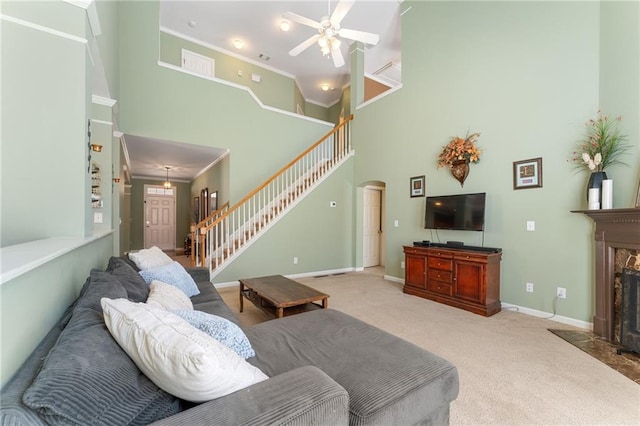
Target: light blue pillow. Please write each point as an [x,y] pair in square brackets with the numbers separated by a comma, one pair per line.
[174,274]
[221,329]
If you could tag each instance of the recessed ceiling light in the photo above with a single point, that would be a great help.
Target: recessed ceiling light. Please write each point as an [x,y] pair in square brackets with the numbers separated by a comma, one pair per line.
[324,87]
[192,24]
[238,44]
[285,26]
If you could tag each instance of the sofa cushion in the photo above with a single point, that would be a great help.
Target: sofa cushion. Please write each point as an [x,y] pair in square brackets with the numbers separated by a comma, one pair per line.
[173,274]
[179,358]
[386,377]
[137,288]
[88,379]
[210,301]
[168,297]
[221,329]
[150,258]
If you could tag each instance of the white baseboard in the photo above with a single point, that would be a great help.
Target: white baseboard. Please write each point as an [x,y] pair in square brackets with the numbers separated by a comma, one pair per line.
[394,279]
[549,315]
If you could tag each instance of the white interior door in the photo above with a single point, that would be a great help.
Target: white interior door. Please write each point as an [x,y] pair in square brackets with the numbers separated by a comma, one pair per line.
[160,218]
[372,227]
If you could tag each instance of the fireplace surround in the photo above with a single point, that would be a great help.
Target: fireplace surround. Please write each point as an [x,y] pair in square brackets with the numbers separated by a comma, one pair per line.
[614,229]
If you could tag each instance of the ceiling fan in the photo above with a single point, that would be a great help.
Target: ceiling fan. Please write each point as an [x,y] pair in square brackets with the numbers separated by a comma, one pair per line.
[328,32]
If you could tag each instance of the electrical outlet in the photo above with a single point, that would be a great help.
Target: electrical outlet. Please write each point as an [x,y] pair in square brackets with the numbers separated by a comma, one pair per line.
[97,217]
[531,225]
[529,287]
[561,293]
[402,265]
[295,260]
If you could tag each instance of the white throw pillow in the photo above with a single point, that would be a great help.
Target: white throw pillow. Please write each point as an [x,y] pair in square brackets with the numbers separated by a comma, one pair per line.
[166,296]
[150,258]
[177,357]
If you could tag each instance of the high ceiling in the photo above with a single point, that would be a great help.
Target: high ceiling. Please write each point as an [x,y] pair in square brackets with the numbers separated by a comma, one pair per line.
[218,24]
[257,25]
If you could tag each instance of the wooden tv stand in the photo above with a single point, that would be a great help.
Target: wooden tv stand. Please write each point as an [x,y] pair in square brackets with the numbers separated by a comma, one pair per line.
[464,278]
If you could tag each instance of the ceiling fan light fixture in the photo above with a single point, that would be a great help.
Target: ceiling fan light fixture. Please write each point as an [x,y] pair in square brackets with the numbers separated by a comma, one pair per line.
[323,41]
[335,43]
[285,26]
[325,50]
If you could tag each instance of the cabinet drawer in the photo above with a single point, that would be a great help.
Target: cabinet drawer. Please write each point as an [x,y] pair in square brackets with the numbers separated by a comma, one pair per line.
[440,263]
[441,276]
[439,287]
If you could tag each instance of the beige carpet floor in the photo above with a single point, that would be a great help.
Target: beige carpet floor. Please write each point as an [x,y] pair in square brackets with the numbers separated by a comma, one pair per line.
[513,371]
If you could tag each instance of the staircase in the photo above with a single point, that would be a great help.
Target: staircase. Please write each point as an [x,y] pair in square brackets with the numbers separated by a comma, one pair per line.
[224,235]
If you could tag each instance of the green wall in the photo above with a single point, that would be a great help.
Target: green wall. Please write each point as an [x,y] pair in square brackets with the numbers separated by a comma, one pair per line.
[488,67]
[47,79]
[45,181]
[274,89]
[161,103]
[320,236]
[214,179]
[33,302]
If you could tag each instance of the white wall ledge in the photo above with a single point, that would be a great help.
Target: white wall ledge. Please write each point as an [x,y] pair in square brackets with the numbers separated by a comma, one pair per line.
[19,259]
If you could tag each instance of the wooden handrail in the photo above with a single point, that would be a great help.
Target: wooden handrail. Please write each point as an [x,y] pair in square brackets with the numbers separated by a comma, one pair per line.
[212,215]
[278,173]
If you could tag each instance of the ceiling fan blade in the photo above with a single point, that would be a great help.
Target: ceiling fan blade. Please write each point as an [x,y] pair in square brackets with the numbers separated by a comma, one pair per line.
[367,38]
[302,20]
[338,59]
[308,42]
[340,12]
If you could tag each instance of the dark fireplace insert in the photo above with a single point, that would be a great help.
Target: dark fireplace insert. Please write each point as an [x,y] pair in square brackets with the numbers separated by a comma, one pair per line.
[630,312]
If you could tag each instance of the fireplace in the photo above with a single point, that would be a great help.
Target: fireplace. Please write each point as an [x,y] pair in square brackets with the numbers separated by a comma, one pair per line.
[616,229]
[630,312]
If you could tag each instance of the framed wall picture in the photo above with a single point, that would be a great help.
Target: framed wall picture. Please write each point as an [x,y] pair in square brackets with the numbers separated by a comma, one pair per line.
[214,201]
[196,209]
[416,184]
[527,173]
[204,207]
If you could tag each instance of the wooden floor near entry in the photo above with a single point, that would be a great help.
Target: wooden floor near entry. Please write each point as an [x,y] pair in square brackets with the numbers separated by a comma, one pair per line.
[279,296]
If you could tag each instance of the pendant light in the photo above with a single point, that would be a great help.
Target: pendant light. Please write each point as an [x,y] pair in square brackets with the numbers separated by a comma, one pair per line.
[167,183]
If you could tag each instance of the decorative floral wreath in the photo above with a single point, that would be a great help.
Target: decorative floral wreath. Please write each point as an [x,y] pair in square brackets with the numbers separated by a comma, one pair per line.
[459,149]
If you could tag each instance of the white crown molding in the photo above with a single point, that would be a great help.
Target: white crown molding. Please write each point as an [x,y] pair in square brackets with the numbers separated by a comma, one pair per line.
[106,123]
[42,28]
[101,100]
[217,160]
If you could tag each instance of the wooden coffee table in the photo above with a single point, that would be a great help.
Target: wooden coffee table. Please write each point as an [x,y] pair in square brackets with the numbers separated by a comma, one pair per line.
[279,296]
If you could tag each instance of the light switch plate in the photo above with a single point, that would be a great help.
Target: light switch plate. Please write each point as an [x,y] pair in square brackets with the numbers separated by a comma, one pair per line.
[531,225]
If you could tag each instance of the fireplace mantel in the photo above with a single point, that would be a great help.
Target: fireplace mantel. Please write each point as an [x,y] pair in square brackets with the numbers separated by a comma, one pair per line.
[615,229]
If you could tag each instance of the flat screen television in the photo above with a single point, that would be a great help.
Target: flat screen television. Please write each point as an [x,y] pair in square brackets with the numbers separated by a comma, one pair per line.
[463,212]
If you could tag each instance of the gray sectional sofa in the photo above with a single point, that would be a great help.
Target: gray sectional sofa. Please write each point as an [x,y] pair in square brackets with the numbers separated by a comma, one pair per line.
[324,367]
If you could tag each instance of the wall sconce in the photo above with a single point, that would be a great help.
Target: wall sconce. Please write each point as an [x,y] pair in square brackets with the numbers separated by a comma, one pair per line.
[96,147]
